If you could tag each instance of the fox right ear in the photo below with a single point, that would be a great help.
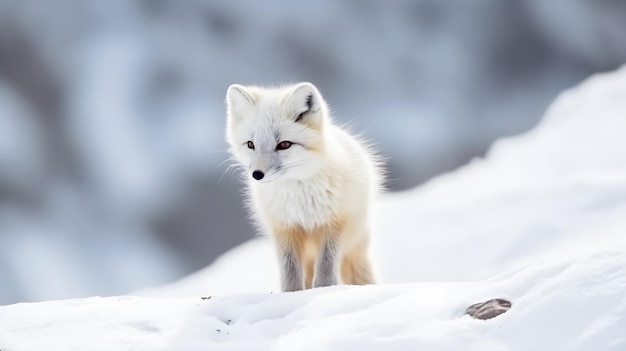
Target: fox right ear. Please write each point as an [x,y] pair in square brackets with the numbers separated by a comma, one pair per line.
[238,100]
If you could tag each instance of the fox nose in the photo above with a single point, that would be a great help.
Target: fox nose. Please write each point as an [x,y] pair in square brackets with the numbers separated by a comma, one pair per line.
[258,175]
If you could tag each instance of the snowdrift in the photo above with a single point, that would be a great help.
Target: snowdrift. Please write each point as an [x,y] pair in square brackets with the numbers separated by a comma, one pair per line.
[540,221]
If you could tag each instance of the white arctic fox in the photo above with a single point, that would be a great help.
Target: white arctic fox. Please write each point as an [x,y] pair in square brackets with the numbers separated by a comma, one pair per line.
[311,184]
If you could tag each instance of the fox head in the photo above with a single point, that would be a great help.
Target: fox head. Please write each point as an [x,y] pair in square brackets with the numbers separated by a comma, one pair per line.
[276,133]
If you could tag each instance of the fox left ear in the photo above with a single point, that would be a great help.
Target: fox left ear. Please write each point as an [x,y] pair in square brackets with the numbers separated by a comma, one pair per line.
[306,100]
[238,101]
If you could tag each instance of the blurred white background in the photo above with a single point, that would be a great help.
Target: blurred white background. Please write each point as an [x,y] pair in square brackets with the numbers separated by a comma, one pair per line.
[112,116]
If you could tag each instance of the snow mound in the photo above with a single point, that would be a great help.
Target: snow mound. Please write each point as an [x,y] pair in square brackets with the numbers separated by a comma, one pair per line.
[539,221]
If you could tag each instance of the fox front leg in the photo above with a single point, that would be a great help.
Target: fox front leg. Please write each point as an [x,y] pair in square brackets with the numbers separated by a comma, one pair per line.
[326,266]
[291,272]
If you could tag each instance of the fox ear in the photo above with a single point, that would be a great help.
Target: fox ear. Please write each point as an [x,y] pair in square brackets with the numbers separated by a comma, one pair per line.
[306,100]
[238,101]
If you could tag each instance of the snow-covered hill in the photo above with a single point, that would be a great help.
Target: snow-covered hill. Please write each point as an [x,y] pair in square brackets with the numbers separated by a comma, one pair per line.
[540,221]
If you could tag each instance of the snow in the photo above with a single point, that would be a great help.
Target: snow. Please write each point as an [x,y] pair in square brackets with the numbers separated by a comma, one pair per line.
[539,221]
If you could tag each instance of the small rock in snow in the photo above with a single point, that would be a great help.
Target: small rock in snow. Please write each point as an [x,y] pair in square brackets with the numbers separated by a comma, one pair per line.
[488,309]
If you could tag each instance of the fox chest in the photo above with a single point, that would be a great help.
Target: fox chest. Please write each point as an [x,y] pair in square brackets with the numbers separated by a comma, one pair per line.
[308,204]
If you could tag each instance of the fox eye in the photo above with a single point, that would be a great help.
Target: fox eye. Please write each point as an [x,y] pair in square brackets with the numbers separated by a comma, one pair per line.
[284,145]
[250,145]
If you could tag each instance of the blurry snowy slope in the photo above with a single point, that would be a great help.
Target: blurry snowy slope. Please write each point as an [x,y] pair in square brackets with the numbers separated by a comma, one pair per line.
[540,221]
[557,190]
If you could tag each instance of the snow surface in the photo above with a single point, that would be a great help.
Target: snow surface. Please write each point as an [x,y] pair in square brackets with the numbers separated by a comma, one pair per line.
[540,221]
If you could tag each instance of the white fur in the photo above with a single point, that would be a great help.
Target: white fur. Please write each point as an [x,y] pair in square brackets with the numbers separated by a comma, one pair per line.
[327,174]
